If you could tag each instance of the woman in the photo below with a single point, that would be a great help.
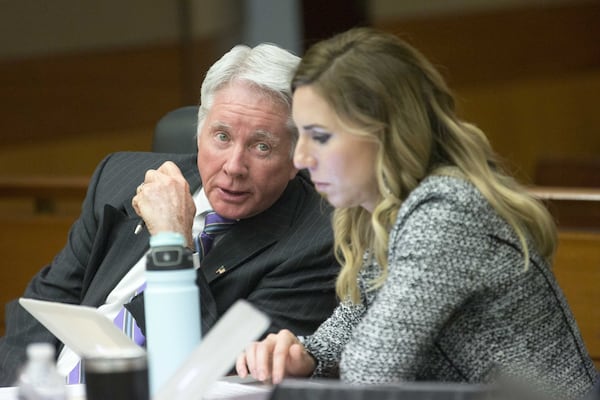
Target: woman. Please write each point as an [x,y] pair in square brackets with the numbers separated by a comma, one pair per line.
[446,260]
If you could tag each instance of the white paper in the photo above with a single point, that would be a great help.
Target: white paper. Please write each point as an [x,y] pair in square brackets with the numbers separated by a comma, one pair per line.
[223,390]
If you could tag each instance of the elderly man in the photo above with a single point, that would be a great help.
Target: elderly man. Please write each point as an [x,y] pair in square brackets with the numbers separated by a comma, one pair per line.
[277,255]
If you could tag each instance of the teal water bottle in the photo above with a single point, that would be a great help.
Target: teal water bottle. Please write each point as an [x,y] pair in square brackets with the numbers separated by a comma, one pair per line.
[171,305]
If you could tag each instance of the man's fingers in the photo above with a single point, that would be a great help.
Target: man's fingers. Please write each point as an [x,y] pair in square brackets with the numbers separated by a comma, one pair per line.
[170,168]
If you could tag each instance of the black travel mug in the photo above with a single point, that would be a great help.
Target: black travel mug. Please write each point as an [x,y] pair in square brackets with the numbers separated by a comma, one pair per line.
[116,378]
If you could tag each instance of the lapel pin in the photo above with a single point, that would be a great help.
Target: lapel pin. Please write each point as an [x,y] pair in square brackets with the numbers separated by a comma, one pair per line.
[221,270]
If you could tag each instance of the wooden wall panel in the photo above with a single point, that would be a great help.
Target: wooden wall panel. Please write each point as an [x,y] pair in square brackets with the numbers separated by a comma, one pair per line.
[506,44]
[27,243]
[533,119]
[61,114]
[66,95]
[529,77]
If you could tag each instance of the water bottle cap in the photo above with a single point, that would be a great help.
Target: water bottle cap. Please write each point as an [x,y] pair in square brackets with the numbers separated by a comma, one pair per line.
[167,239]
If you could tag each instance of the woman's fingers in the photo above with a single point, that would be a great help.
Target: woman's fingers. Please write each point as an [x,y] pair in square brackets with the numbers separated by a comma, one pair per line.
[275,357]
[263,358]
[257,360]
[240,365]
[280,357]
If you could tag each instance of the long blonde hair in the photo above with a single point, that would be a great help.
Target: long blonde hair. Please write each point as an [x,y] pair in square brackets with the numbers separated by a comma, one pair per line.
[378,82]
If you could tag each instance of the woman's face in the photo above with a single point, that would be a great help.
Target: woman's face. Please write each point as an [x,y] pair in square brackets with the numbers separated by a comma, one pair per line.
[341,163]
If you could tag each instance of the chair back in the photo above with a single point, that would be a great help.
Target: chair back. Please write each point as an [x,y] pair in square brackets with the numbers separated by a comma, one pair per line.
[175,132]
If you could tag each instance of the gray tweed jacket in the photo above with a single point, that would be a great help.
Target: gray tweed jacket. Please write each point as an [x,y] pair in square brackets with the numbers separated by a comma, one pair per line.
[458,304]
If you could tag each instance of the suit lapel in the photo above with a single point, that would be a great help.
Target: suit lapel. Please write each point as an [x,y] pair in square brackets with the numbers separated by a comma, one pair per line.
[189,169]
[235,247]
[114,255]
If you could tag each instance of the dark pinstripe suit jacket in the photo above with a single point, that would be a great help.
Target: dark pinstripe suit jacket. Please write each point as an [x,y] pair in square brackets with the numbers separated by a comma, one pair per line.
[280,260]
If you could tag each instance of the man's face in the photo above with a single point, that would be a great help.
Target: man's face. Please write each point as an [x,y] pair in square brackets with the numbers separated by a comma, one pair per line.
[244,151]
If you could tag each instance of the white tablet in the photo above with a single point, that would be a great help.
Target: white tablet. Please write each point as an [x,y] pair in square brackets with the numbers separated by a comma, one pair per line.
[87,332]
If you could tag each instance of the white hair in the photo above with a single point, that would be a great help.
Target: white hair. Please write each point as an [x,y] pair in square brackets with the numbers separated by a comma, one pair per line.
[267,66]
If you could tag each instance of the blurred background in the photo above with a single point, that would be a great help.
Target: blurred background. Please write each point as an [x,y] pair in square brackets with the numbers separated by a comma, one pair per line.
[81,78]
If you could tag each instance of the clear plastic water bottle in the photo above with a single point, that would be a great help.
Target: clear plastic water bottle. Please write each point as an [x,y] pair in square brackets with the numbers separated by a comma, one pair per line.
[39,378]
[172,307]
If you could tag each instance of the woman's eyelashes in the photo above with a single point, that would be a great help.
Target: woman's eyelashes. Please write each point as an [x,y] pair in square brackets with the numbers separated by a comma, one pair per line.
[317,133]
[321,137]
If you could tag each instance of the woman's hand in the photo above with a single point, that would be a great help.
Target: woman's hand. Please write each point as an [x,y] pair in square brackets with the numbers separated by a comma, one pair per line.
[277,356]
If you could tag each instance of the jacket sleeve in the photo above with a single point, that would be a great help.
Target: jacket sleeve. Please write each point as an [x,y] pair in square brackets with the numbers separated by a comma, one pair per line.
[299,293]
[328,342]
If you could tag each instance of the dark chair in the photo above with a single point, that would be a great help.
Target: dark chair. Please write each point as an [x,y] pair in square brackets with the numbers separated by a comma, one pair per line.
[175,132]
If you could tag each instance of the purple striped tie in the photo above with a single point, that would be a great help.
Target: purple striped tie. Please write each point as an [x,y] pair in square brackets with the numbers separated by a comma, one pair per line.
[214,225]
[124,321]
